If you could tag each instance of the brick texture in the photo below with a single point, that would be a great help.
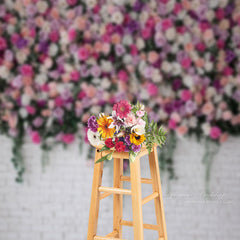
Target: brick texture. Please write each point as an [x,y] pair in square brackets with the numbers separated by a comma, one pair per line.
[54,204]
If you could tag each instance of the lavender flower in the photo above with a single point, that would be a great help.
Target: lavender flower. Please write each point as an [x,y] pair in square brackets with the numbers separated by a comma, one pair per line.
[92,124]
[136,148]
[127,140]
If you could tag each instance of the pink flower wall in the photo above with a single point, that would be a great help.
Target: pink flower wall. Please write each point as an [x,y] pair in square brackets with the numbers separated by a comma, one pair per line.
[63,60]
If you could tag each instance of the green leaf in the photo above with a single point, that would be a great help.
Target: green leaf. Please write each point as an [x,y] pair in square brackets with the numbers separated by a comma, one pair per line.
[132,156]
[106,157]
[104,148]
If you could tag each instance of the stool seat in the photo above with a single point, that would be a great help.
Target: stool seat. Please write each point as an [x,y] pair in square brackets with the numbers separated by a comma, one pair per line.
[100,192]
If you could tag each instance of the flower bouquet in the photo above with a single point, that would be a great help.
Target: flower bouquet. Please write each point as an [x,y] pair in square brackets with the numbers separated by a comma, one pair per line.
[126,130]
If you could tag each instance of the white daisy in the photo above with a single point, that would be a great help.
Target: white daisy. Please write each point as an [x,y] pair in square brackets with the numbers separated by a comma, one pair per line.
[94,138]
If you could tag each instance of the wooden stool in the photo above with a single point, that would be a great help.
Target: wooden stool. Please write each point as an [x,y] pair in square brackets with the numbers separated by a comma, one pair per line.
[99,192]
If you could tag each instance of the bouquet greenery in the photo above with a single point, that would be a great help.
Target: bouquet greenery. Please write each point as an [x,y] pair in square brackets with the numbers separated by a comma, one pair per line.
[126,130]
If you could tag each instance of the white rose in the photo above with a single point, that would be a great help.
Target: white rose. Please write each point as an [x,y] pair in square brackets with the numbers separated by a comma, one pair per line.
[106,66]
[64,39]
[68,68]
[140,43]
[42,6]
[175,48]
[53,49]
[138,129]
[25,99]
[162,114]
[119,2]
[21,57]
[166,66]
[192,122]
[188,81]
[105,83]
[176,68]
[228,89]
[210,15]
[143,16]
[4,72]
[208,66]
[213,3]
[117,18]
[223,3]
[171,34]
[127,59]
[91,3]
[156,76]
[10,29]
[41,78]
[127,40]
[23,113]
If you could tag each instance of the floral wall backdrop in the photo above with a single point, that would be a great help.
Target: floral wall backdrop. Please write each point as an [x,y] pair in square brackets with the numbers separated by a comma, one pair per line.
[63,60]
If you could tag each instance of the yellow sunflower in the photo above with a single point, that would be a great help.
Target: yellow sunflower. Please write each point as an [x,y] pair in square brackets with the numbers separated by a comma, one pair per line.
[104,130]
[137,139]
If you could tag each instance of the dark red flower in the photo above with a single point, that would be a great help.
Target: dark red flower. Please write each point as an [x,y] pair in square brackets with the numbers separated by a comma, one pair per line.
[109,143]
[120,146]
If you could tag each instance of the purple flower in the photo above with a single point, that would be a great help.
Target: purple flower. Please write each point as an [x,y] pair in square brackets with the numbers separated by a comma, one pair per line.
[21,43]
[230,55]
[176,84]
[96,71]
[132,26]
[127,140]
[58,113]
[136,148]
[120,50]
[92,124]
[37,122]
[138,6]
[190,107]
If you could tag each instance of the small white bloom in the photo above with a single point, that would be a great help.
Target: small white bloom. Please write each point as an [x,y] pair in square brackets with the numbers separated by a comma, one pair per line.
[166,66]
[127,59]
[53,49]
[23,113]
[140,43]
[156,76]
[106,66]
[188,81]
[91,3]
[206,128]
[171,34]
[138,129]
[192,122]
[117,17]
[42,6]
[21,57]
[208,66]
[94,138]
[4,72]
[127,40]
[105,83]
[25,99]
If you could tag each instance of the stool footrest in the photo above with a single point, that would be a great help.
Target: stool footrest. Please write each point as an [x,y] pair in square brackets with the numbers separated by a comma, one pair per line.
[115,190]
[145,225]
[107,238]
[104,195]
[143,180]
[150,197]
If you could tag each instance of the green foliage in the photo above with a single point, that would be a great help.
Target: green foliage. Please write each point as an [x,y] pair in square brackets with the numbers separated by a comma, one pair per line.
[106,157]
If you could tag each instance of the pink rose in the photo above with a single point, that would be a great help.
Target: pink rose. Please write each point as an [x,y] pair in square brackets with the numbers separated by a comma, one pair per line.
[83,53]
[72,34]
[26,70]
[166,24]
[75,75]
[54,36]
[186,95]
[186,62]
[215,132]
[31,110]
[123,76]
[182,130]
[130,120]
[71,2]
[152,89]
[3,43]
[140,113]
[134,50]
[207,108]
[172,124]
[36,138]
[146,33]
[68,138]
[141,122]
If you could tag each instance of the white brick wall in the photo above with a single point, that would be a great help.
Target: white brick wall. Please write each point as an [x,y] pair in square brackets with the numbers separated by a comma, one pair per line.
[54,205]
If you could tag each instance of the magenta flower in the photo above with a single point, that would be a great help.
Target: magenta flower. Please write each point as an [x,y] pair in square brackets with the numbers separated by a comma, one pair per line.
[36,138]
[83,53]
[215,132]
[122,108]
[92,124]
[68,138]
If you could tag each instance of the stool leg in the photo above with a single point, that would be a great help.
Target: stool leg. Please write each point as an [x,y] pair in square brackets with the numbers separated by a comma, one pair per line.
[156,185]
[136,199]
[95,197]
[117,198]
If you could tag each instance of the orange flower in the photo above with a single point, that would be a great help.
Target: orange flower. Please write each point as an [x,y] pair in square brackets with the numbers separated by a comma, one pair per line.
[104,123]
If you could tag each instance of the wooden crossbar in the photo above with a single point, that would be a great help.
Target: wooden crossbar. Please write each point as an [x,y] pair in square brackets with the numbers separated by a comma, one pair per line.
[104,195]
[115,190]
[107,238]
[112,234]
[150,197]
[161,238]
[143,180]
[145,225]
